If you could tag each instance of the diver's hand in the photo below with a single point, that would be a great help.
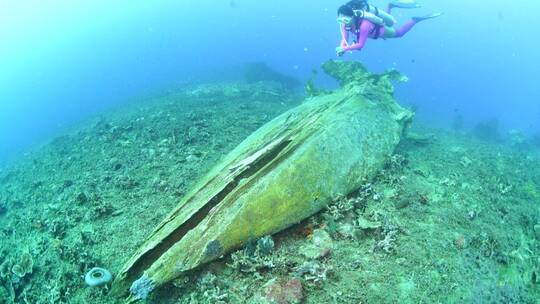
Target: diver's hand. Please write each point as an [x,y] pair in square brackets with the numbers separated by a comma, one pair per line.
[340,51]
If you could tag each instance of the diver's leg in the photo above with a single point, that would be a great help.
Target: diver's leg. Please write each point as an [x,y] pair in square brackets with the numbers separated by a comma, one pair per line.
[430,16]
[391,32]
[403,4]
[404,29]
[388,32]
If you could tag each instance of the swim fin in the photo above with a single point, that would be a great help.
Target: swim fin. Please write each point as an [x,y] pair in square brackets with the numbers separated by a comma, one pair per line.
[405,4]
[422,18]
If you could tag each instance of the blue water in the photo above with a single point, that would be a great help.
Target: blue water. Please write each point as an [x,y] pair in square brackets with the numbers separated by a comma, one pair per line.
[63,61]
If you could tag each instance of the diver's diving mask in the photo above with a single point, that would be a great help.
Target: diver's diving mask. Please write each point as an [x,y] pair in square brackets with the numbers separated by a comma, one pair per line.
[344,20]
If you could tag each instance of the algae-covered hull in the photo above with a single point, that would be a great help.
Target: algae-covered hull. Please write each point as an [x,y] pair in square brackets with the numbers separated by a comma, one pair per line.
[286,171]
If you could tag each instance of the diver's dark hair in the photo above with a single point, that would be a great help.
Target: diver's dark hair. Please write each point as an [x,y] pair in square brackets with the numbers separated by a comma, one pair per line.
[349,8]
[357,4]
[345,10]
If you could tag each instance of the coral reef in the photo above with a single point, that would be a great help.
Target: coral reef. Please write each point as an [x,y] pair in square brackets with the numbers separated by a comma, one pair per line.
[536,140]
[320,246]
[284,292]
[517,139]
[488,130]
[3,208]
[24,266]
[103,176]
[314,272]
[457,123]
[458,215]
[211,290]
[260,71]
[254,257]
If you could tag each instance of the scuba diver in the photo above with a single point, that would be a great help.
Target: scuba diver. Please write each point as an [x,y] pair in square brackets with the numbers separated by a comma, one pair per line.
[367,21]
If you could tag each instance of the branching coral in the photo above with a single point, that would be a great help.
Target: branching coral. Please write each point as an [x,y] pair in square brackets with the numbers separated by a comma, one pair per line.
[314,272]
[389,237]
[254,257]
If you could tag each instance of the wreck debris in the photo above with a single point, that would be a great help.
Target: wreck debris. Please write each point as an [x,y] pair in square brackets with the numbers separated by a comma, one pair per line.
[286,171]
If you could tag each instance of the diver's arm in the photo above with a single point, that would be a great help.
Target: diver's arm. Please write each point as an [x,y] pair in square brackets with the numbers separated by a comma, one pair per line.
[365,28]
[344,37]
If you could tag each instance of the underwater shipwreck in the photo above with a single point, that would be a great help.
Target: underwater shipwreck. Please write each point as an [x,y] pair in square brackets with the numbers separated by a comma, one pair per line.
[252,193]
[285,172]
